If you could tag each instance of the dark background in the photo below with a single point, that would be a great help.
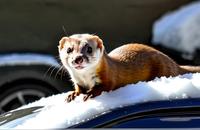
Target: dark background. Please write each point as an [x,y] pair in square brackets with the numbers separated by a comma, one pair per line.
[37,25]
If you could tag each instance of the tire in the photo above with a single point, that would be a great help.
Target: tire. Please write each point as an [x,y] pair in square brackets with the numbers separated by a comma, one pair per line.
[22,94]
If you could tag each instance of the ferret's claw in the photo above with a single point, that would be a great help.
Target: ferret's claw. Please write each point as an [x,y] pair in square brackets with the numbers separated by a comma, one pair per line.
[93,93]
[88,96]
[71,96]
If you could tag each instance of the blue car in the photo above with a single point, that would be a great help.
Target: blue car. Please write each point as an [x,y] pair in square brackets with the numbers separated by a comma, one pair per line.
[182,113]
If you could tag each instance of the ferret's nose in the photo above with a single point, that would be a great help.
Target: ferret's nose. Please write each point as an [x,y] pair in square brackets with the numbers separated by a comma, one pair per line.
[78,60]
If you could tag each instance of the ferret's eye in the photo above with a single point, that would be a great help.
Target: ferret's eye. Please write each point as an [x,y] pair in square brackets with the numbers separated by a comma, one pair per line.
[69,50]
[89,50]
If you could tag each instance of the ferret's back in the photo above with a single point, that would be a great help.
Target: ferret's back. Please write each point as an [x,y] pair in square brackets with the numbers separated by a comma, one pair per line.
[130,51]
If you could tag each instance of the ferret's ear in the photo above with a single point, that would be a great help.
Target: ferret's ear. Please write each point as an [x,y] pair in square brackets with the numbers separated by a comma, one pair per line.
[62,42]
[98,41]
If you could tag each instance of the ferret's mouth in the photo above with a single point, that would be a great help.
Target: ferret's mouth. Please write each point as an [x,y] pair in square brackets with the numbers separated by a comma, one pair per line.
[78,67]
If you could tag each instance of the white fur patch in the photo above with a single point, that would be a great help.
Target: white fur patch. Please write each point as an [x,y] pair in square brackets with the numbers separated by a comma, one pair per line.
[85,77]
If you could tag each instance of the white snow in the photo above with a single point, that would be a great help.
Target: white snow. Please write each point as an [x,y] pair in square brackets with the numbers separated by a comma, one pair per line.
[58,114]
[180,29]
[27,59]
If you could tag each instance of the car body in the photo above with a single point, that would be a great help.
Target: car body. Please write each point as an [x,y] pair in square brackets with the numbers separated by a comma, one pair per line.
[181,113]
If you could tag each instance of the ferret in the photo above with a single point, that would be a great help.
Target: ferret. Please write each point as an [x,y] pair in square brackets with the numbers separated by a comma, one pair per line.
[93,71]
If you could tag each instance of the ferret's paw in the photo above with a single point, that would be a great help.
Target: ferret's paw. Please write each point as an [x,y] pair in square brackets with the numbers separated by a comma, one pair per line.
[91,94]
[71,96]
[88,96]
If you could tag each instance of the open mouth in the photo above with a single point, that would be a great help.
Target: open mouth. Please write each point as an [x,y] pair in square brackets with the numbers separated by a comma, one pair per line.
[79,67]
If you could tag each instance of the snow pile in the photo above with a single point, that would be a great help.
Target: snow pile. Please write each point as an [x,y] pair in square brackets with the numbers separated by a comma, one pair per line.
[179,29]
[58,114]
[27,59]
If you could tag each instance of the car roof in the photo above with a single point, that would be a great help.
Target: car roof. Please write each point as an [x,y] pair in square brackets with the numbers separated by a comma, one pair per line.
[109,118]
[139,110]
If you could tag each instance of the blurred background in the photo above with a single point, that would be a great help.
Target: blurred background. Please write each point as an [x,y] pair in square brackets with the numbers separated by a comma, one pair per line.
[30,31]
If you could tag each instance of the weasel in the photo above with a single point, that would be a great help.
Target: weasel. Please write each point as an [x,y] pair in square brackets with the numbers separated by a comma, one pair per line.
[93,71]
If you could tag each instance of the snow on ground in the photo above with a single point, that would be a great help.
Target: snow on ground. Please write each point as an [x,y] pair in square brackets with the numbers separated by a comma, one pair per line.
[179,29]
[27,59]
[58,114]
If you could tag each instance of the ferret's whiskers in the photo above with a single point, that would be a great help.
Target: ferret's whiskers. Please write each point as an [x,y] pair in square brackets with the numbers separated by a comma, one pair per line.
[64,30]
[58,72]
[52,71]
[62,72]
[45,74]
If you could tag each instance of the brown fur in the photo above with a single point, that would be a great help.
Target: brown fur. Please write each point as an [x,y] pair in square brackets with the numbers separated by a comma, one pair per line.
[129,64]
[136,62]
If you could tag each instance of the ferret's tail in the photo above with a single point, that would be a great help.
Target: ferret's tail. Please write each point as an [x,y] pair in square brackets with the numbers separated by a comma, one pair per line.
[189,69]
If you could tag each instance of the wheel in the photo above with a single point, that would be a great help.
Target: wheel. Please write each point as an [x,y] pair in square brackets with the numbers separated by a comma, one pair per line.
[22,94]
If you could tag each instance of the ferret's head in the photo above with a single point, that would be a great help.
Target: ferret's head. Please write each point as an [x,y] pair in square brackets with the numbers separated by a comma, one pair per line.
[80,51]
